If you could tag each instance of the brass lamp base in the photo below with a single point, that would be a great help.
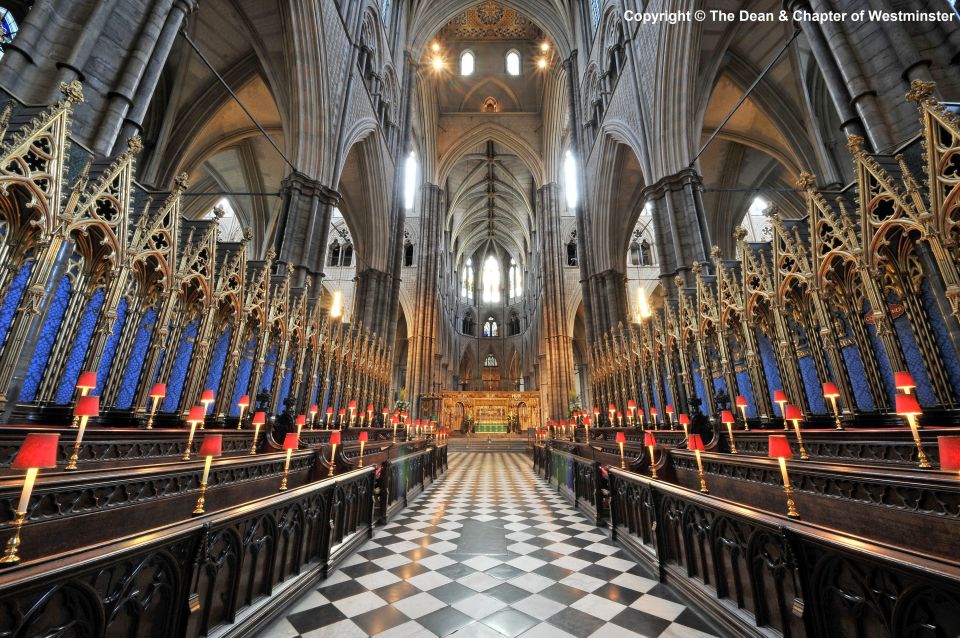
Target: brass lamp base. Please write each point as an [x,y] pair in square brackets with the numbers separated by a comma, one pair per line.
[201,500]
[10,556]
[791,506]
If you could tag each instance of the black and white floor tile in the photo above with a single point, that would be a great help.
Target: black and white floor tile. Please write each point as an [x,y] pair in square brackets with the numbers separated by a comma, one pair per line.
[489,550]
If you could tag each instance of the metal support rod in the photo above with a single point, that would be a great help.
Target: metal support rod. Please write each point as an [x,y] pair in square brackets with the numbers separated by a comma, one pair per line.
[236,99]
[746,94]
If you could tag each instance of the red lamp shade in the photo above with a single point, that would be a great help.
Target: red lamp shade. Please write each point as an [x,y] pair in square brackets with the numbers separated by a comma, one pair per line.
[394,420]
[87,380]
[903,380]
[793,413]
[352,405]
[301,419]
[778,447]
[335,437]
[364,437]
[612,408]
[212,445]
[385,413]
[669,409]
[949,452]
[741,401]
[695,442]
[314,409]
[159,391]
[726,416]
[596,410]
[621,437]
[329,411]
[830,390]
[87,406]
[259,418]
[649,439]
[684,419]
[196,414]
[291,441]
[370,408]
[653,412]
[207,396]
[779,396]
[619,415]
[342,412]
[244,402]
[563,423]
[37,451]
[631,404]
[907,405]
[587,420]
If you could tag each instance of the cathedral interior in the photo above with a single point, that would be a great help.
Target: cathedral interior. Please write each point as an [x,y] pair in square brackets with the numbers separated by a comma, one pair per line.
[421,318]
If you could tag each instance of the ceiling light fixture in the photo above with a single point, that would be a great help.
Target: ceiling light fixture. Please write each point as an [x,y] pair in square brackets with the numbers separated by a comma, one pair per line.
[435,47]
[437,63]
[545,46]
[542,63]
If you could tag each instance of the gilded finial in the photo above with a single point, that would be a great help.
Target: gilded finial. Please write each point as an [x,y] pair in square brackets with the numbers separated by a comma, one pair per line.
[135,144]
[805,180]
[921,92]
[696,268]
[5,118]
[218,212]
[678,280]
[181,182]
[715,252]
[271,254]
[72,91]
[855,144]
[247,233]
[739,233]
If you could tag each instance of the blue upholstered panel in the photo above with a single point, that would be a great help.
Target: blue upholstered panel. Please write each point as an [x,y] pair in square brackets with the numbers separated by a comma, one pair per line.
[243,377]
[911,352]
[9,306]
[286,383]
[138,352]
[858,378]
[746,389]
[938,324]
[78,352]
[812,385]
[178,373]
[218,358]
[110,348]
[769,359]
[48,335]
[269,368]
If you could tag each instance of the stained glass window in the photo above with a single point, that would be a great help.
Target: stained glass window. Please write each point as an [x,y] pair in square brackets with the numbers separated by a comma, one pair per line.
[8,28]
[570,180]
[410,180]
[595,12]
[467,281]
[491,280]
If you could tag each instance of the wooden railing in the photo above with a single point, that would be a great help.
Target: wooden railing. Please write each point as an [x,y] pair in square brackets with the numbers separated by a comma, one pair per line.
[406,476]
[577,478]
[763,575]
[222,573]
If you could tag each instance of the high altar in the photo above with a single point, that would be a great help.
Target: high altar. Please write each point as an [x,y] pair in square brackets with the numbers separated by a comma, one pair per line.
[491,411]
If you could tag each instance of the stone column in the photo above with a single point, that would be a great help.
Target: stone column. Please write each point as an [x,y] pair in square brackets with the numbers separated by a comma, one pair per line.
[301,240]
[557,382]
[681,226]
[423,340]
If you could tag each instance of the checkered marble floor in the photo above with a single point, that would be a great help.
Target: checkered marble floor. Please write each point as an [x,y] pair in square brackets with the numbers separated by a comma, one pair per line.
[489,550]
